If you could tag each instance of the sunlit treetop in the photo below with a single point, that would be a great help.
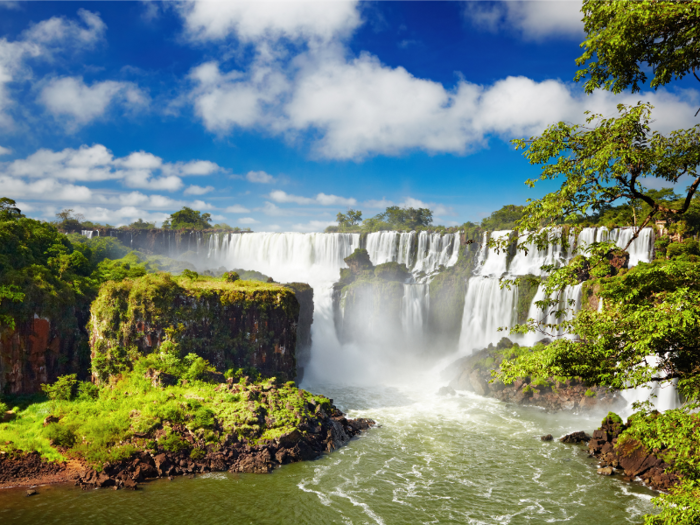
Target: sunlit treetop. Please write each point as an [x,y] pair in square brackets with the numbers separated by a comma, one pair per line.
[627,38]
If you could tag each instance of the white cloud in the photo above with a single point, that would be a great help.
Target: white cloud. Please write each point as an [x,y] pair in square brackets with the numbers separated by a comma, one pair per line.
[44,189]
[272,228]
[322,199]
[531,19]
[313,226]
[259,177]
[120,216]
[201,205]
[247,220]
[43,40]
[71,97]
[236,208]
[5,151]
[151,11]
[437,209]
[260,21]
[273,210]
[223,101]
[59,30]
[139,169]
[198,190]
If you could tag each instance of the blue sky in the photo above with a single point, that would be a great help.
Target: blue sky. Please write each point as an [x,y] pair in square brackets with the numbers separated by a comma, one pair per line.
[277,115]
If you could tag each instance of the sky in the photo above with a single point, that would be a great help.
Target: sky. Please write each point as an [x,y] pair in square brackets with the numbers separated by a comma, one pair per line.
[278,115]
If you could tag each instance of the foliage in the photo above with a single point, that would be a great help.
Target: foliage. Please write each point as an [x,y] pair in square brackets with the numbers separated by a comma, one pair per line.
[350,219]
[652,310]
[605,161]
[9,210]
[504,219]
[231,277]
[626,40]
[64,389]
[187,218]
[142,225]
[406,218]
[131,415]
[674,436]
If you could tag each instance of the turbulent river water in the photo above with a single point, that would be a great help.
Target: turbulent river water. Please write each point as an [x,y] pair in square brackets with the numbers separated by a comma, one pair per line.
[464,459]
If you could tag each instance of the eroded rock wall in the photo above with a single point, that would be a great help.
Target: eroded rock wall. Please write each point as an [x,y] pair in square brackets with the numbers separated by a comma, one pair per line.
[232,325]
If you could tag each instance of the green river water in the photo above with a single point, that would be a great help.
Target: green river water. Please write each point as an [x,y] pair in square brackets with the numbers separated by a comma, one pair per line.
[463,459]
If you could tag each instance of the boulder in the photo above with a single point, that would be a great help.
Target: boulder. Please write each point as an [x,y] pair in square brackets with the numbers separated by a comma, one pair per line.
[576,437]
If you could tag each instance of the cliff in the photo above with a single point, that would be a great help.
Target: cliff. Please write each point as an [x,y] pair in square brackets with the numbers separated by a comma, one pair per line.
[233,325]
[39,350]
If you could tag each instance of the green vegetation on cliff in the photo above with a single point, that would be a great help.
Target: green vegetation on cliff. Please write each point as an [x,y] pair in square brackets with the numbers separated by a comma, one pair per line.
[228,322]
[140,411]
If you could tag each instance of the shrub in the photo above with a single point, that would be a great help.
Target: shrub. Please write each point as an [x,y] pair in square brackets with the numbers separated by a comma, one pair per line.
[88,390]
[589,393]
[3,407]
[174,443]
[203,418]
[64,389]
[231,277]
[60,435]
[198,453]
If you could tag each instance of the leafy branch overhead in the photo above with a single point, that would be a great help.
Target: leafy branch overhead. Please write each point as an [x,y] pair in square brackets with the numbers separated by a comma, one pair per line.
[607,160]
[624,40]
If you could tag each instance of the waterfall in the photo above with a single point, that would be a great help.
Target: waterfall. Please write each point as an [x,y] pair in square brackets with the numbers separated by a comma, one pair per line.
[493,262]
[88,233]
[530,259]
[381,247]
[414,309]
[487,307]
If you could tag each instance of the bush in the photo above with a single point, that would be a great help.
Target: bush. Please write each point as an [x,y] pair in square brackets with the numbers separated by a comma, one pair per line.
[60,435]
[231,277]
[64,389]
[3,407]
[174,443]
[203,418]
[197,453]
[589,393]
[88,391]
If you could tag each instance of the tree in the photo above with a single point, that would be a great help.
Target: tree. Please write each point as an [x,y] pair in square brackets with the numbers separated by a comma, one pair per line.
[142,225]
[352,218]
[503,219]
[187,218]
[624,40]
[9,210]
[606,161]
[406,218]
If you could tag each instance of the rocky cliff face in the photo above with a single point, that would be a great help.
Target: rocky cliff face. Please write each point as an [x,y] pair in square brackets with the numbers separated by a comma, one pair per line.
[232,325]
[40,350]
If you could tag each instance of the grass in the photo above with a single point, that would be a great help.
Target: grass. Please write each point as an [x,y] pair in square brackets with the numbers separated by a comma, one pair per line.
[131,414]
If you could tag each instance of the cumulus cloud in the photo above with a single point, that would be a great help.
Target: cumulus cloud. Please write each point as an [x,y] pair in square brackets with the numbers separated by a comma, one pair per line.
[120,216]
[5,151]
[259,177]
[198,190]
[139,169]
[201,205]
[258,21]
[321,198]
[531,19]
[381,203]
[247,220]
[236,208]
[243,99]
[42,41]
[70,97]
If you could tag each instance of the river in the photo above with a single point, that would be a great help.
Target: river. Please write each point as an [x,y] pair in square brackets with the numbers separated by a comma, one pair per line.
[464,459]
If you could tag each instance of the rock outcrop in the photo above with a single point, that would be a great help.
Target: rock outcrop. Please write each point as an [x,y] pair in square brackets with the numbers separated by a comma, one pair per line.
[629,458]
[233,325]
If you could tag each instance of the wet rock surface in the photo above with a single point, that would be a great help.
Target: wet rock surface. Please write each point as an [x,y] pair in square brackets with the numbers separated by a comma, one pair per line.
[629,459]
